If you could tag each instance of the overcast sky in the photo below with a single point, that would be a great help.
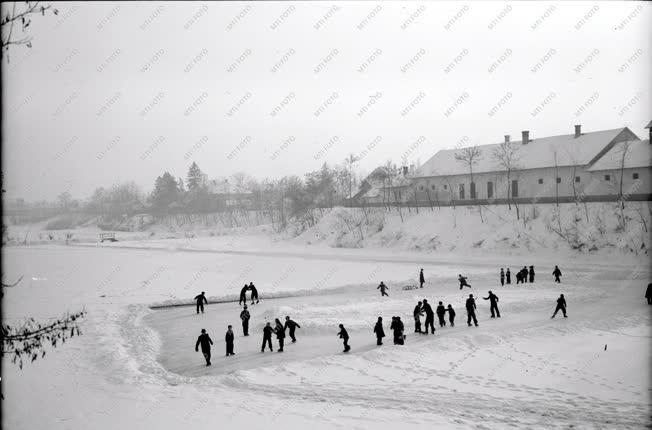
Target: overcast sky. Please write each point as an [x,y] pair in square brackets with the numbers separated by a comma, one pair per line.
[112,92]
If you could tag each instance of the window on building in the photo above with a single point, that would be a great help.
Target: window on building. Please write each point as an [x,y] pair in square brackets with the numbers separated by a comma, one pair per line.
[420,187]
[473,196]
[514,188]
[540,181]
[635,175]
[607,177]
[577,178]
[490,190]
[559,180]
[445,186]
[461,191]
[432,187]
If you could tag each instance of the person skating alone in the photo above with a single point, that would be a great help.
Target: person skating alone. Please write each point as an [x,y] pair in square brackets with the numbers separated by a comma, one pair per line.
[451,315]
[493,301]
[557,274]
[205,341]
[344,335]
[201,299]
[648,294]
[245,316]
[470,311]
[422,279]
[379,331]
[383,288]
[531,274]
[267,337]
[463,282]
[280,334]
[561,306]
[243,295]
[430,316]
[502,277]
[441,314]
[291,326]
[508,277]
[254,293]
[228,338]
[418,313]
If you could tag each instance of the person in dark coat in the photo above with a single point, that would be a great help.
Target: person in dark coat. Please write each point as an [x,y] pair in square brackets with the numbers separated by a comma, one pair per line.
[508,277]
[531,274]
[243,295]
[245,316]
[228,338]
[205,341]
[422,279]
[502,277]
[451,315]
[201,299]
[557,273]
[344,335]
[291,325]
[254,293]
[267,337]
[400,327]
[441,313]
[392,327]
[380,333]
[561,306]
[493,301]
[280,334]
[470,311]
[430,316]
[524,274]
[648,294]
[382,287]
[463,282]
[418,313]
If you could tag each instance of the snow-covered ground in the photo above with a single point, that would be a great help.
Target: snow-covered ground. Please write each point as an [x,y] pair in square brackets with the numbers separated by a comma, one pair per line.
[135,367]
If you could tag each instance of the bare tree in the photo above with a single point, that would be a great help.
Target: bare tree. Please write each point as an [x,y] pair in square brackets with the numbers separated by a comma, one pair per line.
[506,154]
[622,152]
[470,157]
[18,16]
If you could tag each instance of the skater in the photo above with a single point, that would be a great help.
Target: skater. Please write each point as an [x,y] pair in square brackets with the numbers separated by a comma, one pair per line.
[463,282]
[508,277]
[382,287]
[648,294]
[280,334]
[201,299]
[267,337]
[345,337]
[228,338]
[531,274]
[557,273]
[254,293]
[519,277]
[502,277]
[418,313]
[524,273]
[380,333]
[451,315]
[422,279]
[430,316]
[205,341]
[244,316]
[394,328]
[291,325]
[470,311]
[441,313]
[401,328]
[561,306]
[493,300]
[243,295]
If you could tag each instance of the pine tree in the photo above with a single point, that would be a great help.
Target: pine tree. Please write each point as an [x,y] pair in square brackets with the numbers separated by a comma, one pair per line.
[196,180]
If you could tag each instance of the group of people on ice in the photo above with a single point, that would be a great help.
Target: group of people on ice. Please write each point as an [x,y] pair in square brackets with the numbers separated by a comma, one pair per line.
[243,294]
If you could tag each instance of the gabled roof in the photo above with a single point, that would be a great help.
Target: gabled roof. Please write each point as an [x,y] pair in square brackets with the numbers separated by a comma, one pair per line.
[538,153]
[638,154]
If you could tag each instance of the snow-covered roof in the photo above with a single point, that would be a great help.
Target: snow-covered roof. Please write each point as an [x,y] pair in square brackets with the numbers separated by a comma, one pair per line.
[538,153]
[638,154]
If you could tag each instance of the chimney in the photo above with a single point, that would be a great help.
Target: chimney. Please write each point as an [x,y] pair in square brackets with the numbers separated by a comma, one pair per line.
[578,130]
[526,137]
[507,138]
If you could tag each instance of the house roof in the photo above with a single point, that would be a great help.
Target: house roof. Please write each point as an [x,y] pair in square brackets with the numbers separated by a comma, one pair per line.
[538,153]
[638,154]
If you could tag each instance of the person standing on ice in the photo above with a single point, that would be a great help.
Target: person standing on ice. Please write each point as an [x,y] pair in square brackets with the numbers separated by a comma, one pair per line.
[502,277]
[267,337]
[430,316]
[463,282]
[254,293]
[561,306]
[493,300]
[344,335]
[382,287]
[508,277]
[380,332]
[451,315]
[244,316]
[280,334]
[291,325]
[524,274]
[441,313]
[557,273]
[422,279]
[418,313]
[201,299]
[401,329]
[205,341]
[470,311]
[531,274]
[243,295]
[228,338]
[648,294]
